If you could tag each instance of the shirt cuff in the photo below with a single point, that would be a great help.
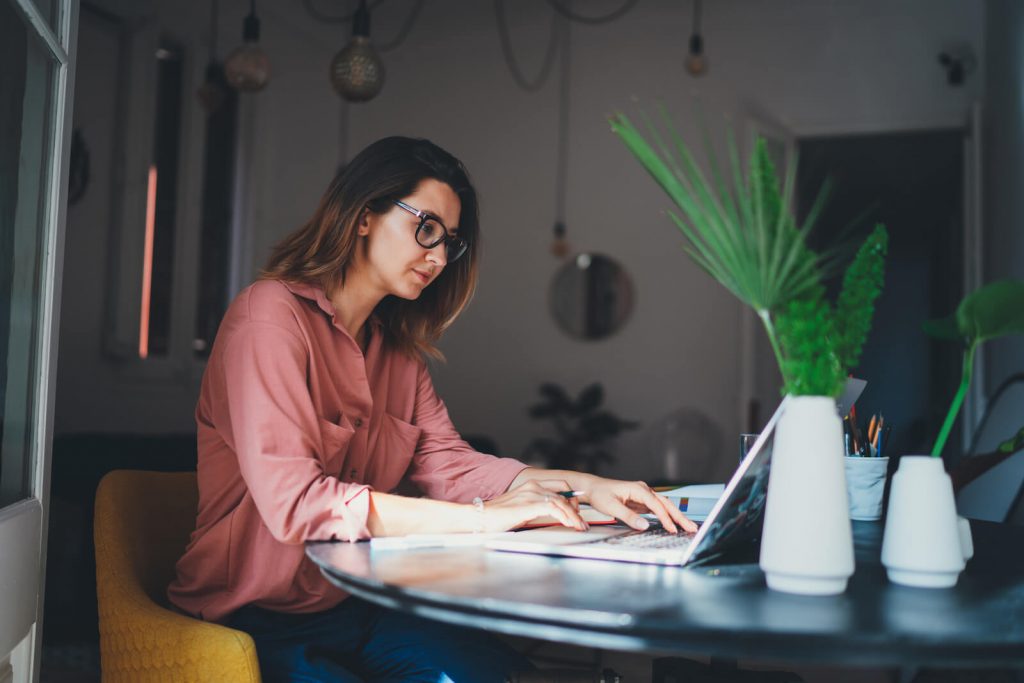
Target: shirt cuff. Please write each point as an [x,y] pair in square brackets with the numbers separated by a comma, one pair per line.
[501,473]
[350,515]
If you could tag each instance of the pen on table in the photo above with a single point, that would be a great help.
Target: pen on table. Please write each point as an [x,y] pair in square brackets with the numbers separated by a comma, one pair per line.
[572,494]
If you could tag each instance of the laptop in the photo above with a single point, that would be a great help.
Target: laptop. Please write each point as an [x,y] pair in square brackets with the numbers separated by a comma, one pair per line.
[735,519]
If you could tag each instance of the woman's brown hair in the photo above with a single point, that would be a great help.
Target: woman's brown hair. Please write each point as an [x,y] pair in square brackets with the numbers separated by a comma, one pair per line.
[321,251]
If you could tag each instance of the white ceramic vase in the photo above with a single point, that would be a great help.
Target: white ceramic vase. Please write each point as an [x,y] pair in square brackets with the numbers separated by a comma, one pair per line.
[807,544]
[925,544]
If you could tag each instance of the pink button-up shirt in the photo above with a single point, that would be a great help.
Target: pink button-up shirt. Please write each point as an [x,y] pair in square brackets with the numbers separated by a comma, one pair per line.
[295,427]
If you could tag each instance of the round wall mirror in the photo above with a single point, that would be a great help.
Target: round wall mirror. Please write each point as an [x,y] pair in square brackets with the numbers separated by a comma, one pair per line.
[591,296]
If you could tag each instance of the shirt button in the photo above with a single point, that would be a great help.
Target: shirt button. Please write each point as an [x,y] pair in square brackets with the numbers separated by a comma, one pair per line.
[358,423]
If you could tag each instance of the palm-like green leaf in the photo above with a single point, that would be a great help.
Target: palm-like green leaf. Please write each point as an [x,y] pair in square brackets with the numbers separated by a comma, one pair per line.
[737,227]
[742,235]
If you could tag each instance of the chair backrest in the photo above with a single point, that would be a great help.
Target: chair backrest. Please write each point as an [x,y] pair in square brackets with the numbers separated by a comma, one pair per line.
[142,525]
[994,495]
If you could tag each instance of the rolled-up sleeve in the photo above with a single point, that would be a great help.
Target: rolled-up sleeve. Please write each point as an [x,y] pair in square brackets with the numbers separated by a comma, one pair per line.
[268,418]
[446,467]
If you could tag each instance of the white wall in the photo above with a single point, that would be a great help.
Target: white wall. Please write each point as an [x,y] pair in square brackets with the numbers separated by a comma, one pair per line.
[842,66]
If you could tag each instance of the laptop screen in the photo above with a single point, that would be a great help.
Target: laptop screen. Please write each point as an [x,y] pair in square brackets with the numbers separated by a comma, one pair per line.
[739,513]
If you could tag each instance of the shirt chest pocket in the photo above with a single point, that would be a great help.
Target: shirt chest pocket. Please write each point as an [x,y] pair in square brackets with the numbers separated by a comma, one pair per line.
[335,440]
[393,453]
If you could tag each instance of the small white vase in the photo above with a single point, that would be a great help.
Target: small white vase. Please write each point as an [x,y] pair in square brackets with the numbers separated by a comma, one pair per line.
[925,544]
[807,544]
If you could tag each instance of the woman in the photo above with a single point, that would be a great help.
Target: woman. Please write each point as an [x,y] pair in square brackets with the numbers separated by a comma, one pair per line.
[316,405]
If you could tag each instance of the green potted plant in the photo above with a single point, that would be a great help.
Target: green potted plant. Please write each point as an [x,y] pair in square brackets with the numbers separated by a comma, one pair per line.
[925,544]
[740,231]
[743,234]
[582,429]
[993,311]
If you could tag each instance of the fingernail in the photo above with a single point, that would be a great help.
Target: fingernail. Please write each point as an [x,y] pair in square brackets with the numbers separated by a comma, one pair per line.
[642,524]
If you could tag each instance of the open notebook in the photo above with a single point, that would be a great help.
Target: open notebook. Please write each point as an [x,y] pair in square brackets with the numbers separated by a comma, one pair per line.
[735,518]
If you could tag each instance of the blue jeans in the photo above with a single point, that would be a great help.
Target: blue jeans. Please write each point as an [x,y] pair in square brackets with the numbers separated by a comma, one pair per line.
[358,641]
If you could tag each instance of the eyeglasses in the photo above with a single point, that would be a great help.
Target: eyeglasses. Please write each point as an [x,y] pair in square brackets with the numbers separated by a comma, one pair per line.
[431,232]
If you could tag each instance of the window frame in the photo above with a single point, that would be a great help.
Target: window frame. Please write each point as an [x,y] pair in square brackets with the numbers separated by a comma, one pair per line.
[139,41]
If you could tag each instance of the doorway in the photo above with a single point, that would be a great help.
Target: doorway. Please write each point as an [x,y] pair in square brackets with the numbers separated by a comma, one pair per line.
[913,182]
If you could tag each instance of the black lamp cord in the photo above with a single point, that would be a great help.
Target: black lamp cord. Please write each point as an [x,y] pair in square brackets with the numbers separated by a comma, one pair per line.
[213,31]
[403,32]
[535,84]
[563,128]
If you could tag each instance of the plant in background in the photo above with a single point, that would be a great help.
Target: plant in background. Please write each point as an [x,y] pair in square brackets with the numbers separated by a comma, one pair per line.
[582,428]
[742,234]
[995,310]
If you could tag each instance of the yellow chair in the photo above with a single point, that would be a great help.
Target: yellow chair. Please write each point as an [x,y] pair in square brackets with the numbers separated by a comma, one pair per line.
[143,521]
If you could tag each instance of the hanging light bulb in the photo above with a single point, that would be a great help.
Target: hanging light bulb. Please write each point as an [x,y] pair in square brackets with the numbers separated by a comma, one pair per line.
[357,72]
[248,68]
[212,93]
[696,63]
[560,245]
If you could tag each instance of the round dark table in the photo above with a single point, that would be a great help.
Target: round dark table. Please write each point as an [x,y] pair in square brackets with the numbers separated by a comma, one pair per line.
[717,610]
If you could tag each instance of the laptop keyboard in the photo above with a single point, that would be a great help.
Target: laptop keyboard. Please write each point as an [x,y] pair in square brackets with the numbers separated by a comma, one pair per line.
[652,539]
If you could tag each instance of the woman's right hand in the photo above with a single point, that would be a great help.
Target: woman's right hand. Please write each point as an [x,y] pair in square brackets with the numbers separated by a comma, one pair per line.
[530,501]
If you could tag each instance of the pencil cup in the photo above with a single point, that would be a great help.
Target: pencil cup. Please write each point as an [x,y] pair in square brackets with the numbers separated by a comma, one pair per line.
[865,484]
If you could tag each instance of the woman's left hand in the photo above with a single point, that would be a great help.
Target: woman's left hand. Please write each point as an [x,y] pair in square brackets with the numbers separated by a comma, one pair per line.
[627,500]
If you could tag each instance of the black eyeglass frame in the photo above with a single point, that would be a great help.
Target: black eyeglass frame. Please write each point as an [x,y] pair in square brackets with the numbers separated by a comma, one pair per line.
[453,243]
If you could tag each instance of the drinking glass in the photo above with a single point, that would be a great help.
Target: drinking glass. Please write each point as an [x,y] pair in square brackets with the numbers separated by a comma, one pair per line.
[746,443]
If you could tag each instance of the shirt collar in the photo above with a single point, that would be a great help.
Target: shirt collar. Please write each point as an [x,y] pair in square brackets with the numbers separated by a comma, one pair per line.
[316,293]
[313,293]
